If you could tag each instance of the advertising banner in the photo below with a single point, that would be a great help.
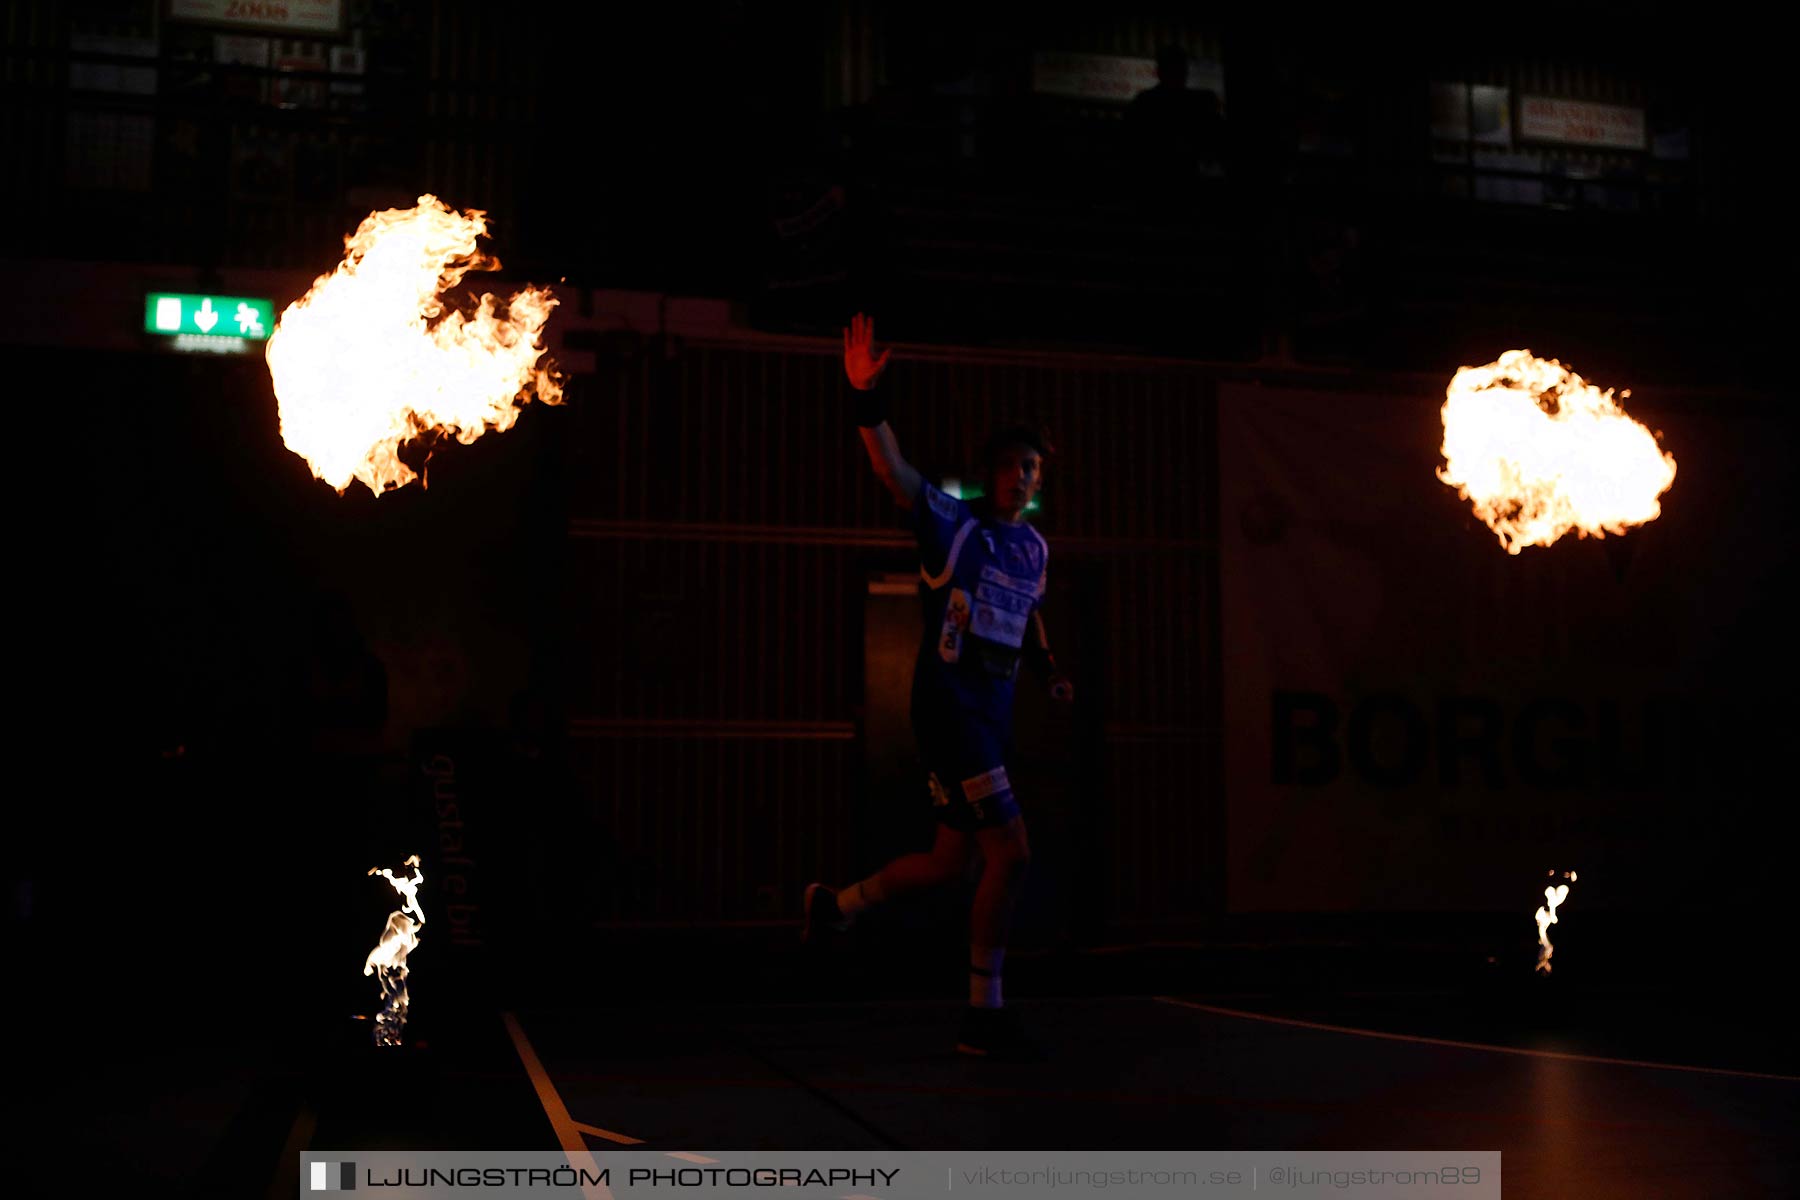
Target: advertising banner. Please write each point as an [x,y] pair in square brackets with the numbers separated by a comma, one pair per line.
[1581,123]
[1416,719]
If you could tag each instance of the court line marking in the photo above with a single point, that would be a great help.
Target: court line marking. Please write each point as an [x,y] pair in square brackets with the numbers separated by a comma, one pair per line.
[624,1139]
[299,1137]
[1431,1041]
[567,1132]
[1110,1096]
[749,1047]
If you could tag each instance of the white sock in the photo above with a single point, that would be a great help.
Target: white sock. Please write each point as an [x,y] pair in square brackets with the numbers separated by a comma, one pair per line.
[984,976]
[858,896]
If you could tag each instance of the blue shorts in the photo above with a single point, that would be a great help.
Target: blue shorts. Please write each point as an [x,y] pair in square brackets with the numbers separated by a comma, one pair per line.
[966,774]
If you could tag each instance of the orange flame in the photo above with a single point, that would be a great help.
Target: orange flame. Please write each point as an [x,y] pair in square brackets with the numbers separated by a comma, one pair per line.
[373,356]
[1542,451]
[1546,917]
[388,959]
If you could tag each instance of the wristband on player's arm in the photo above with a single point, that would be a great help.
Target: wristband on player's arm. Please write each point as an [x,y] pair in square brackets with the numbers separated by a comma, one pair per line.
[871,408]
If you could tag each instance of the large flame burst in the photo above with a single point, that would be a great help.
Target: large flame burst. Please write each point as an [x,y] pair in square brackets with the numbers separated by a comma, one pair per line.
[374,356]
[1541,451]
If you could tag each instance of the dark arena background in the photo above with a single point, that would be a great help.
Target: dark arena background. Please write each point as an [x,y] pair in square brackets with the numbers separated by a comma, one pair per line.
[631,674]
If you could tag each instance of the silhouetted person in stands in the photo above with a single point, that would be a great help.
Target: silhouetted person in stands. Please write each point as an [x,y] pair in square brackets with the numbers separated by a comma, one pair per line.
[534,828]
[334,709]
[340,701]
[1175,132]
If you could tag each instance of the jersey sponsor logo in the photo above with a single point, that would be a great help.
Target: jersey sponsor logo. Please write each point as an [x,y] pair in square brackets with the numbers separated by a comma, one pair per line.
[988,783]
[994,574]
[1023,557]
[1002,598]
[941,504]
[999,626]
[956,622]
[1031,587]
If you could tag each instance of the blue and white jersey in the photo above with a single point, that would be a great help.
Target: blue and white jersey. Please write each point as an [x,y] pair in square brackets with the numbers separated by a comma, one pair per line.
[980,579]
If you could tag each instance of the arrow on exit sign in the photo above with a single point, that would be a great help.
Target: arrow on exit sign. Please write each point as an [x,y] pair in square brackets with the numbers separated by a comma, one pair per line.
[171,314]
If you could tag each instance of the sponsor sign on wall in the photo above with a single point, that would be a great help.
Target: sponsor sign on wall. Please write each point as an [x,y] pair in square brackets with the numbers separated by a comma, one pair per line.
[1113,77]
[1581,123]
[286,16]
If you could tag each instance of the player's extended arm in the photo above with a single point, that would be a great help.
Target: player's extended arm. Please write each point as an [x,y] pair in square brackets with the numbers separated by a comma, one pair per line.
[1043,663]
[864,368]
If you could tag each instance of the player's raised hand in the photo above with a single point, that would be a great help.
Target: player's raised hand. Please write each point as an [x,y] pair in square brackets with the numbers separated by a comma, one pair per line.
[861,364]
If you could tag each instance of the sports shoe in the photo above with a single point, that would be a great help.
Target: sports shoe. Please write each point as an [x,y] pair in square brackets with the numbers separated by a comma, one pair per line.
[994,1033]
[822,915]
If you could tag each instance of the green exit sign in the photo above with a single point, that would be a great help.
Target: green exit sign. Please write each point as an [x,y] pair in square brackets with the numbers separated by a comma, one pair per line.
[201,318]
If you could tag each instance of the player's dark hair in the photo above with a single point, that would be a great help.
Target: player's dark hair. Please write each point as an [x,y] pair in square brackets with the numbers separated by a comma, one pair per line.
[1021,433]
